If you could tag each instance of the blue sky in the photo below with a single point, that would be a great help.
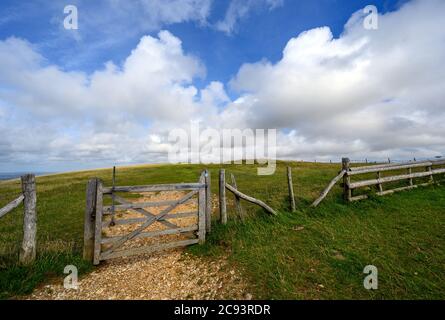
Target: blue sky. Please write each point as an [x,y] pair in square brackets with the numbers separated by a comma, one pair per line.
[262,33]
[111,91]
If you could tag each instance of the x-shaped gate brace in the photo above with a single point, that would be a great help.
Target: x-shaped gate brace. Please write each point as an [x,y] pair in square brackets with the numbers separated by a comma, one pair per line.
[145,212]
[151,218]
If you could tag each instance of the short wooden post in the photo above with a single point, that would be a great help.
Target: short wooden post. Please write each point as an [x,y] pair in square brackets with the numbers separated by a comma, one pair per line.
[98,222]
[209,206]
[89,221]
[291,189]
[202,204]
[347,192]
[411,182]
[238,205]
[28,250]
[222,196]
[379,186]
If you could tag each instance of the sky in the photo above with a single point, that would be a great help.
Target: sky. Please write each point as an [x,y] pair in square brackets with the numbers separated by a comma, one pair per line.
[110,92]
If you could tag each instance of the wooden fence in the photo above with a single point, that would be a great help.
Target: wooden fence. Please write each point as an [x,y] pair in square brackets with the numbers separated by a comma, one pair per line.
[29,199]
[98,248]
[379,181]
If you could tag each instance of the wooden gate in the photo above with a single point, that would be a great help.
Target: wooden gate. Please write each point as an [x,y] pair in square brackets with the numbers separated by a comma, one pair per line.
[115,224]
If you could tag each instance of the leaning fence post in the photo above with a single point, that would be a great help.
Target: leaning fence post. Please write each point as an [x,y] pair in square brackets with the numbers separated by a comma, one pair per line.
[346,165]
[209,206]
[291,189]
[28,250]
[222,196]
[89,221]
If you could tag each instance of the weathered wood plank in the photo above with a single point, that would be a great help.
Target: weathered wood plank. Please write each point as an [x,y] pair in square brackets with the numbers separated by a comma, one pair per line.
[11,206]
[291,189]
[156,188]
[202,203]
[390,166]
[238,205]
[89,221]
[251,199]
[98,224]
[148,249]
[358,198]
[387,168]
[28,249]
[222,196]
[154,234]
[328,188]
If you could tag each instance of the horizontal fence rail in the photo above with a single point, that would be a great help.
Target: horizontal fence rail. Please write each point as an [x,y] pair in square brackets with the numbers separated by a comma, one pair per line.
[393,166]
[155,233]
[156,188]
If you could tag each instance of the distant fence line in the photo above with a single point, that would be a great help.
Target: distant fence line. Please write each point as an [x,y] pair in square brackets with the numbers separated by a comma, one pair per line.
[374,161]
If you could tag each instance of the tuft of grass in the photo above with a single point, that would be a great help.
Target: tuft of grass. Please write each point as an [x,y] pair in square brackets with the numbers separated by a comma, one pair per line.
[17,280]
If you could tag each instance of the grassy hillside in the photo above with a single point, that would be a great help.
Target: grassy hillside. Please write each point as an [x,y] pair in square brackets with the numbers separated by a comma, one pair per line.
[313,254]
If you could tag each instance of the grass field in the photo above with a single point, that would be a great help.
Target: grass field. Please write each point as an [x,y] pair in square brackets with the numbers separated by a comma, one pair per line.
[311,254]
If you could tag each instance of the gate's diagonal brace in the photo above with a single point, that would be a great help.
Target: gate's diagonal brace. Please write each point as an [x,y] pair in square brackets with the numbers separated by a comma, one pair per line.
[149,222]
[145,212]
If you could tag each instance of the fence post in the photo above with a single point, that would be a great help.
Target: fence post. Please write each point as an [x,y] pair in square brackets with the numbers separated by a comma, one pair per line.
[379,186]
[28,250]
[209,205]
[222,196]
[89,221]
[291,189]
[346,165]
[411,182]
[202,205]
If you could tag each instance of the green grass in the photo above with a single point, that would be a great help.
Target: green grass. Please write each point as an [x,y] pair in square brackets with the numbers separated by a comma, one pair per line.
[403,234]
